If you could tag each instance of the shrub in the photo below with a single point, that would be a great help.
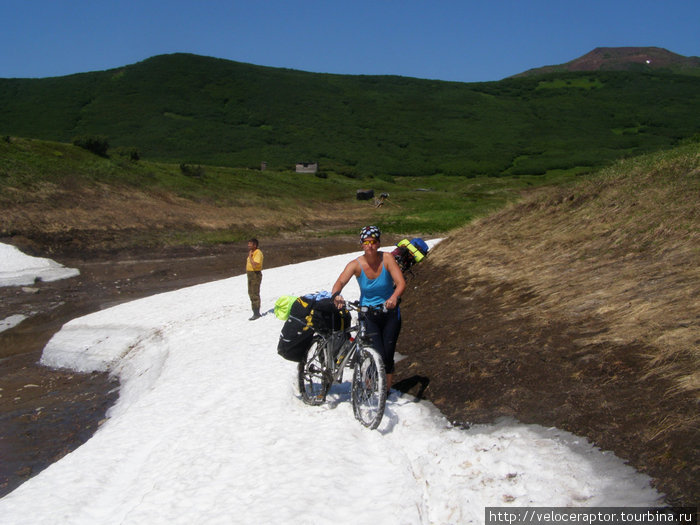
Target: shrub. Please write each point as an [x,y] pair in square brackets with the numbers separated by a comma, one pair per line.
[130,153]
[95,144]
[191,171]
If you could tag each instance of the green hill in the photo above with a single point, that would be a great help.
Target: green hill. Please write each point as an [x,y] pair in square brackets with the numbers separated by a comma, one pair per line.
[188,108]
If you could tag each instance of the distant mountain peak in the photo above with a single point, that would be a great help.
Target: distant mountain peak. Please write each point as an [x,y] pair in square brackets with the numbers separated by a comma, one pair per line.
[623,59]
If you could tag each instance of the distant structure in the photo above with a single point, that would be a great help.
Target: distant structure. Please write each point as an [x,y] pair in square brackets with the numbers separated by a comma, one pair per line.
[307,167]
[378,203]
[364,194]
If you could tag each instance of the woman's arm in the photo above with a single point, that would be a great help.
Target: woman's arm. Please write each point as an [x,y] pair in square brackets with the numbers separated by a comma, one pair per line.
[397,276]
[350,270]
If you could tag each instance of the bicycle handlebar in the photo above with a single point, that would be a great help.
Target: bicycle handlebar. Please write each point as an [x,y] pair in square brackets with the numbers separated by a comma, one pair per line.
[355,305]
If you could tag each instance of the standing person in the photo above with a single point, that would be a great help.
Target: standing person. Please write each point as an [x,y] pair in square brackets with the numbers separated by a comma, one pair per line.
[253,269]
[381,284]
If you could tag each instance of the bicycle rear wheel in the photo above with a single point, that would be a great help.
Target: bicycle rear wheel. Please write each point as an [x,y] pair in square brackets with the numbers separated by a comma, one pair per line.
[313,377]
[368,387]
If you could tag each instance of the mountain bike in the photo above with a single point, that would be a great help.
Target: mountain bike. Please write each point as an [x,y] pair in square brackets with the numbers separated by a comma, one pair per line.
[328,357]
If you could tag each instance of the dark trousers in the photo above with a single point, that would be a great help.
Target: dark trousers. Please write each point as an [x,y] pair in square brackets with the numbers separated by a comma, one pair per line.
[383,328]
[254,280]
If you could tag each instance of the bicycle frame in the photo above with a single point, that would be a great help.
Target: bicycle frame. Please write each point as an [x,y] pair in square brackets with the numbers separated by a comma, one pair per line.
[349,348]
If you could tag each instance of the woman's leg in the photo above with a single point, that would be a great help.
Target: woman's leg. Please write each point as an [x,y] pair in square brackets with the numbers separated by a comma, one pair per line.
[390,334]
[383,329]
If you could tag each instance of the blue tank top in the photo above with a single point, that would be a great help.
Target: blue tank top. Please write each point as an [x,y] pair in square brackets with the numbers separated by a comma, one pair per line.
[375,292]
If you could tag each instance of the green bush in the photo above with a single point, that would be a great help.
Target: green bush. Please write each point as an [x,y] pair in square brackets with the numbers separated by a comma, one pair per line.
[191,171]
[95,144]
[129,153]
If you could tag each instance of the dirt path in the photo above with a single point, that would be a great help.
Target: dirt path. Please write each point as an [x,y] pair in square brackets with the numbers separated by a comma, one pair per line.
[44,413]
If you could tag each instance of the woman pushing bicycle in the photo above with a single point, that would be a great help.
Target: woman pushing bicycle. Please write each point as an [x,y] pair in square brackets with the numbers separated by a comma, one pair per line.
[381,285]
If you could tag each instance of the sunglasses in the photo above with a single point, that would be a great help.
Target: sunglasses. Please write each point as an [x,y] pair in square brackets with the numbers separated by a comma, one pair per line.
[367,242]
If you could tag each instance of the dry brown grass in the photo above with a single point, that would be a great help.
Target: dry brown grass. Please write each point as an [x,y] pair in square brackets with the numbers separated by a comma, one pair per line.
[55,209]
[622,248]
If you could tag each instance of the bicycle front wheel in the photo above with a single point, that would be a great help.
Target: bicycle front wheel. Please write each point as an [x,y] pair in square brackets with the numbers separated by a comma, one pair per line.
[313,375]
[368,387]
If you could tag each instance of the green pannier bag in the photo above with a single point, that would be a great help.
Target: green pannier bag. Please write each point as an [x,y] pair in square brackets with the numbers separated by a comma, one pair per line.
[283,305]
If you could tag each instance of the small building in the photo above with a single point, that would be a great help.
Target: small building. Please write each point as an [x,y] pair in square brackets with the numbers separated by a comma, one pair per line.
[307,167]
[365,194]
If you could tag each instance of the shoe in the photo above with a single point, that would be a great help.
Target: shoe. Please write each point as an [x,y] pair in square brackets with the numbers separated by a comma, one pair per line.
[255,316]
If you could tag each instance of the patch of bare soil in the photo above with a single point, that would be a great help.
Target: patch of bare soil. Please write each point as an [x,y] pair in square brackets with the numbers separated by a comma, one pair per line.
[479,357]
[85,222]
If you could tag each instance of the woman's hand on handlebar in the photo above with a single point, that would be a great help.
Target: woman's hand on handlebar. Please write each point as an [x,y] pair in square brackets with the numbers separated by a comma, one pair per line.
[391,303]
[338,301]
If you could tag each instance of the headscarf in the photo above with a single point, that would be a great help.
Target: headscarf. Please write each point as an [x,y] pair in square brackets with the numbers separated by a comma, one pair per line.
[370,232]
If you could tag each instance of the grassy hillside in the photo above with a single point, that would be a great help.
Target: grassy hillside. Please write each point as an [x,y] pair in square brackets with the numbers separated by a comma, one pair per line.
[577,307]
[187,108]
[64,195]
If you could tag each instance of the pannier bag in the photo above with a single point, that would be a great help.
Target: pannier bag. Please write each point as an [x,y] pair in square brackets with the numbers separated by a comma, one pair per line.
[296,335]
[307,315]
[283,305]
[407,253]
[325,317]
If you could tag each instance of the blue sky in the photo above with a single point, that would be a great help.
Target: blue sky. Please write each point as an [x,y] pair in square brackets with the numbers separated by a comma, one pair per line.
[465,41]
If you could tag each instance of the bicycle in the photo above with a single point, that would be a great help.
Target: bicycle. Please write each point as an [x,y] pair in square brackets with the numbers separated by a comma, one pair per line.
[325,361]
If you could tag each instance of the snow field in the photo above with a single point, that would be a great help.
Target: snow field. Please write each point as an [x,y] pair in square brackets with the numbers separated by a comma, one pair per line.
[209,428]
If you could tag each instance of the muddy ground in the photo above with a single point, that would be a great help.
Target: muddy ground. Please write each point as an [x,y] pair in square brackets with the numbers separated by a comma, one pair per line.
[473,358]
